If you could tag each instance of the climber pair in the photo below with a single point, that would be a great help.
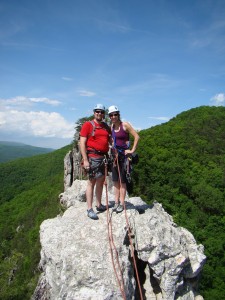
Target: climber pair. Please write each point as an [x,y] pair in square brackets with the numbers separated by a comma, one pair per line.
[95,139]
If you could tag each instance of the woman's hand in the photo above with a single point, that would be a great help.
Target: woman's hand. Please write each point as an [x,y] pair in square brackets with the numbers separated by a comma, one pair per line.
[126,152]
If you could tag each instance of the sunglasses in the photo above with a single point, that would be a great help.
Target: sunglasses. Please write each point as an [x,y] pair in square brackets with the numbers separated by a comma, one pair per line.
[99,112]
[113,115]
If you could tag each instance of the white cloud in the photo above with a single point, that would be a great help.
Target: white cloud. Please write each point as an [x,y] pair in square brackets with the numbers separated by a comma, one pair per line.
[218,99]
[112,26]
[160,118]
[67,78]
[45,100]
[154,82]
[84,93]
[26,101]
[40,124]
[210,36]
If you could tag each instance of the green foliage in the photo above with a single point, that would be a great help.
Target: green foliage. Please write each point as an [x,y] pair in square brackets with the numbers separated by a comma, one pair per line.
[29,195]
[182,165]
[11,150]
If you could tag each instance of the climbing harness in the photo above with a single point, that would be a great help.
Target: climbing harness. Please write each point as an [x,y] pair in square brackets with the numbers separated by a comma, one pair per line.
[91,172]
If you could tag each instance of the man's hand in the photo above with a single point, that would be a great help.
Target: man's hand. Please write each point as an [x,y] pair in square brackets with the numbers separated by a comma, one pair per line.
[86,164]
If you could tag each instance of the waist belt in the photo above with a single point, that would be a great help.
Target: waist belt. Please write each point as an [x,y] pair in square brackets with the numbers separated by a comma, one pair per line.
[94,151]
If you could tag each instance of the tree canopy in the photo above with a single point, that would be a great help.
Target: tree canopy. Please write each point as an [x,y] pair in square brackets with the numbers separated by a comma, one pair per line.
[181,165]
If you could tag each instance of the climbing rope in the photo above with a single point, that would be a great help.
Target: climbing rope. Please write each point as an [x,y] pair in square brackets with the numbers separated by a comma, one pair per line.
[119,276]
[112,245]
[129,234]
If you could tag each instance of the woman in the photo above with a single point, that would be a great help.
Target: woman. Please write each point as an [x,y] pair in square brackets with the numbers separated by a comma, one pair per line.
[120,135]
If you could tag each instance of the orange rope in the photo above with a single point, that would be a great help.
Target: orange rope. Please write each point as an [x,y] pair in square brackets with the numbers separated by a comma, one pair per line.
[129,235]
[112,244]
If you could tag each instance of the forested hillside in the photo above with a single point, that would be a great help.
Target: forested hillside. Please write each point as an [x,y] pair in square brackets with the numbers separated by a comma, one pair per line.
[28,195]
[11,150]
[182,166]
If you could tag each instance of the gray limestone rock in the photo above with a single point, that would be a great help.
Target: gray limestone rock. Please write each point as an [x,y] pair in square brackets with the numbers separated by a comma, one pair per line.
[68,170]
[72,167]
[76,259]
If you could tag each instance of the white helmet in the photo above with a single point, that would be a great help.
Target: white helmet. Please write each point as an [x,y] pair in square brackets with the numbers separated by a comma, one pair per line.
[113,108]
[99,106]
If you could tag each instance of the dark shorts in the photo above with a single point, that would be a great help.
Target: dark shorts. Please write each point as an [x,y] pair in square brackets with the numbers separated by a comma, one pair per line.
[97,167]
[121,173]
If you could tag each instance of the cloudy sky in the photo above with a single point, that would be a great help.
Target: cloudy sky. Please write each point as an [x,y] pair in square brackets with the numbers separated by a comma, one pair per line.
[154,59]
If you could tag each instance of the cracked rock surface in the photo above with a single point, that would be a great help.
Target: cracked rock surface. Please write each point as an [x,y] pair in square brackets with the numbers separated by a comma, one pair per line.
[76,259]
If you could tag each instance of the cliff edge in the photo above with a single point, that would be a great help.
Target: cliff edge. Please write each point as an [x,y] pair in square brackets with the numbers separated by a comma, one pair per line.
[76,259]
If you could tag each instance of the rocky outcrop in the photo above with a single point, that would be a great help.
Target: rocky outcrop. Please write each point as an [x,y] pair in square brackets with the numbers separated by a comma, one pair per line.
[76,258]
[72,167]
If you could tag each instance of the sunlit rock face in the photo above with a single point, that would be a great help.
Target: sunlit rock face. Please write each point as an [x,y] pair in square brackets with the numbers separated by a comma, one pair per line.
[76,258]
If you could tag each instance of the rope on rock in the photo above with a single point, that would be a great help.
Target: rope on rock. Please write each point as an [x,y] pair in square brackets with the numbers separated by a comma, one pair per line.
[119,273]
[129,235]
[111,241]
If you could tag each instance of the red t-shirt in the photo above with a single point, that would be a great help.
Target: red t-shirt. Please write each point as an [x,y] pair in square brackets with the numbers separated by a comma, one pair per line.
[100,140]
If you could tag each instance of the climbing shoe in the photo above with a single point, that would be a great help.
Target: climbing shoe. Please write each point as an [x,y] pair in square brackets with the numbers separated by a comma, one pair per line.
[101,208]
[91,214]
[115,206]
[119,208]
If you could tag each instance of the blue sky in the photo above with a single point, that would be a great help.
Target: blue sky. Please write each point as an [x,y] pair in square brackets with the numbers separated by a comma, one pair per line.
[153,59]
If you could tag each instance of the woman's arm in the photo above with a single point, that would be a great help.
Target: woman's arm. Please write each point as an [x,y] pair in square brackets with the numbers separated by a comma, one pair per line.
[131,130]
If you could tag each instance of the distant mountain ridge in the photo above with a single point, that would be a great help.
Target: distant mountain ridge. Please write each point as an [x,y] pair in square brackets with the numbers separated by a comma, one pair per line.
[13,150]
[9,143]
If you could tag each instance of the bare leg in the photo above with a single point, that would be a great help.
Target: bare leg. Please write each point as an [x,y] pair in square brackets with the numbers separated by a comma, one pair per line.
[116,190]
[98,190]
[89,192]
[123,190]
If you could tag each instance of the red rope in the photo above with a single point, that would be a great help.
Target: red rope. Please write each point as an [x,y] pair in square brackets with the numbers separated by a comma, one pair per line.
[112,244]
[129,235]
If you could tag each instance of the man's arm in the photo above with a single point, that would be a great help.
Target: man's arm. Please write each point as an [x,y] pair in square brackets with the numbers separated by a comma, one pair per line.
[83,151]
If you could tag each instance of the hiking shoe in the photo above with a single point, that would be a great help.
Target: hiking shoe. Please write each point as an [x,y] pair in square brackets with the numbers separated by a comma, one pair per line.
[101,208]
[116,204]
[91,214]
[119,208]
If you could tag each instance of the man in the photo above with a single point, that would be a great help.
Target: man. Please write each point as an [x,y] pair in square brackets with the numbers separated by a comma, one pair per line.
[94,146]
